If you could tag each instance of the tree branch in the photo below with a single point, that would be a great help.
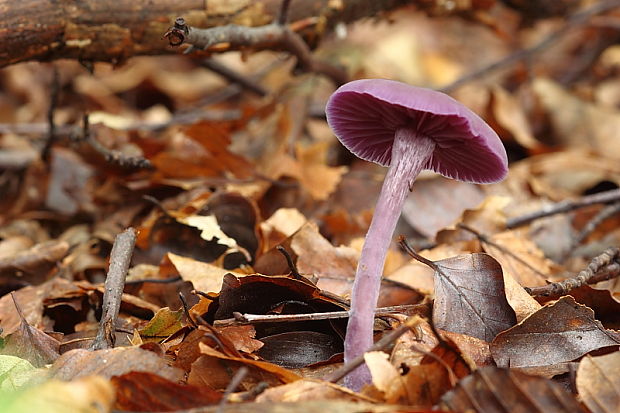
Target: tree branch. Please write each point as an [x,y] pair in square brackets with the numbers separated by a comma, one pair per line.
[112,31]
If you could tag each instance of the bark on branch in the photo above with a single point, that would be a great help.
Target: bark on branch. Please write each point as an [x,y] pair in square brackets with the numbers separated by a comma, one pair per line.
[113,30]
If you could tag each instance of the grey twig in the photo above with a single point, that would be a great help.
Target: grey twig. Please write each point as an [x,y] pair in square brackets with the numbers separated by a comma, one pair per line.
[565,206]
[120,258]
[114,157]
[241,319]
[272,36]
[608,263]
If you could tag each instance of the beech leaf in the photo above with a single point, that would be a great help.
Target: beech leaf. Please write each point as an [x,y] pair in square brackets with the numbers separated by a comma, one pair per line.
[598,382]
[495,390]
[470,297]
[557,333]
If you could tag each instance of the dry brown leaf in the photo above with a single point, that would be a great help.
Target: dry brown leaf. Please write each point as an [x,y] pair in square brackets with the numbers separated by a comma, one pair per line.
[598,383]
[111,362]
[520,258]
[307,390]
[577,122]
[315,176]
[470,296]
[510,115]
[140,391]
[204,276]
[494,390]
[431,205]
[557,333]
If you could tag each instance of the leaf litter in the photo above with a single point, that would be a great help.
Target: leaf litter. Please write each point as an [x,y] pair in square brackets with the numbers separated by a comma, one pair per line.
[249,212]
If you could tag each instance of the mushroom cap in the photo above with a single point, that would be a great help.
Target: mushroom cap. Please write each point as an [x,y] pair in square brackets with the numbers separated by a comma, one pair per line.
[365,114]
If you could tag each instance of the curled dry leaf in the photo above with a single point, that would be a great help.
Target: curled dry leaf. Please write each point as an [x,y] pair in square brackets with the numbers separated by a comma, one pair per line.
[31,299]
[470,297]
[495,390]
[111,362]
[140,391]
[308,390]
[598,383]
[557,333]
[31,344]
[215,369]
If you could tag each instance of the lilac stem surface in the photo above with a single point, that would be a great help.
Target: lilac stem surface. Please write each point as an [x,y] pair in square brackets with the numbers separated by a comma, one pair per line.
[410,154]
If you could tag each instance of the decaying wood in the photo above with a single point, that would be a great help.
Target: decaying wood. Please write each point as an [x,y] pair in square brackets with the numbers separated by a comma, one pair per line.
[113,30]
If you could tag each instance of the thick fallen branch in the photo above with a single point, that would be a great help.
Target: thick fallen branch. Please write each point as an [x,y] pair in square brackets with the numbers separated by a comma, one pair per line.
[114,30]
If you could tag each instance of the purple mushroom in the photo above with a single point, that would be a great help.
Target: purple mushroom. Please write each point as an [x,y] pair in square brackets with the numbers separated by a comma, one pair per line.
[407,129]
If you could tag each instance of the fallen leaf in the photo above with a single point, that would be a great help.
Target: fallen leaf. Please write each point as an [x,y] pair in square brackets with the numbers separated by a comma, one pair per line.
[598,383]
[204,276]
[434,200]
[308,390]
[509,114]
[14,373]
[296,349]
[30,343]
[163,324]
[92,394]
[470,296]
[557,333]
[139,391]
[111,362]
[495,390]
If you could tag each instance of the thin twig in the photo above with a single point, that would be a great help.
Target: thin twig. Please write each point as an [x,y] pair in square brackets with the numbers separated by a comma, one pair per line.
[283,15]
[221,69]
[383,343]
[272,36]
[186,310]
[234,383]
[114,157]
[289,260]
[120,258]
[609,258]
[577,19]
[51,133]
[565,206]
[241,319]
[486,240]
[603,214]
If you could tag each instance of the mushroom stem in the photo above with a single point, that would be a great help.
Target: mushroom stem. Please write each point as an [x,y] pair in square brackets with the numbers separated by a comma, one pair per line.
[410,154]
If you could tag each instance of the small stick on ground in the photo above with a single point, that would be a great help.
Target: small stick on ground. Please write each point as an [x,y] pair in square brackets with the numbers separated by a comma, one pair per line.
[385,341]
[565,206]
[289,260]
[486,240]
[221,69]
[234,383]
[120,258]
[111,156]
[607,212]
[608,261]
[51,132]
[242,319]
